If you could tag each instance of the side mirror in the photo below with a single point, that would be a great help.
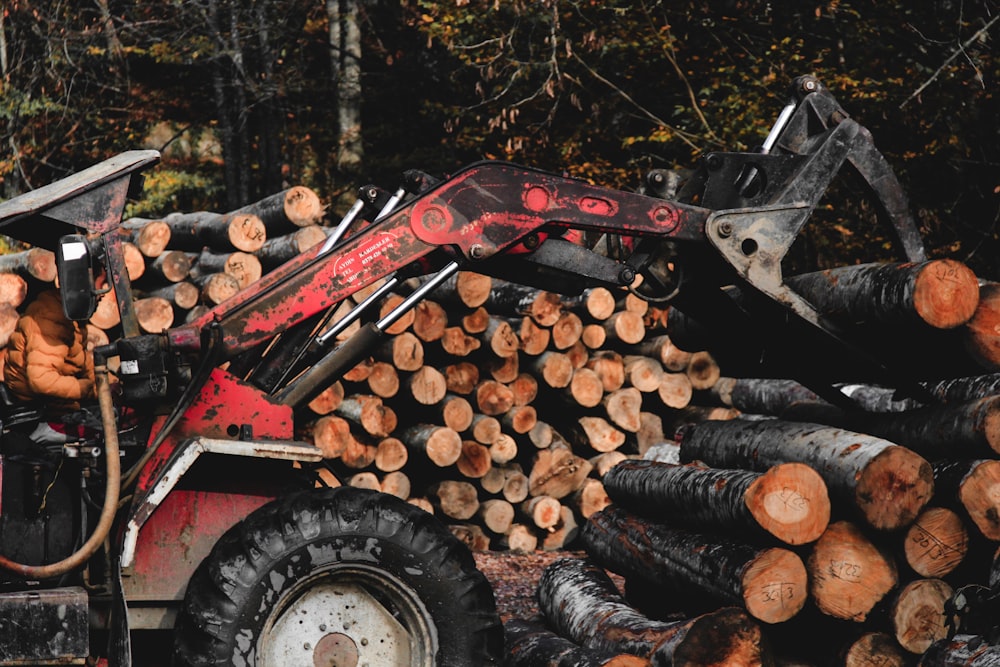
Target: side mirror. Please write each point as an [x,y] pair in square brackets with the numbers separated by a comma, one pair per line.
[76,277]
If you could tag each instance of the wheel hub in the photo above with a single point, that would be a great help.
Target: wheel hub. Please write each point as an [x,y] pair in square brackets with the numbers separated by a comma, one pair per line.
[336,650]
[344,621]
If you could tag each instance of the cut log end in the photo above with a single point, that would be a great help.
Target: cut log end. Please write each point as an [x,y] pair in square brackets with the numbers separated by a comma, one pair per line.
[791,502]
[936,543]
[980,496]
[946,294]
[775,586]
[849,574]
[725,637]
[894,488]
[918,616]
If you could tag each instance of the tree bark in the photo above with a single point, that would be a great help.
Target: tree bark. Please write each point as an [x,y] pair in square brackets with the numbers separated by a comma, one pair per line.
[770,583]
[940,293]
[888,485]
[530,645]
[789,501]
[582,604]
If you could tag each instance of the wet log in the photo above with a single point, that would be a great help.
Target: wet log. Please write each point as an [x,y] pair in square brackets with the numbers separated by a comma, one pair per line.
[769,582]
[590,498]
[886,484]
[940,293]
[474,461]
[530,645]
[962,650]
[221,232]
[471,535]
[243,266]
[559,536]
[954,430]
[961,389]
[973,487]
[583,604]
[277,250]
[761,396]
[848,573]
[789,501]
[283,212]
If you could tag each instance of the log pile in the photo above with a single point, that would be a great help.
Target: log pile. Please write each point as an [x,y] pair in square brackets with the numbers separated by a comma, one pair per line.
[748,516]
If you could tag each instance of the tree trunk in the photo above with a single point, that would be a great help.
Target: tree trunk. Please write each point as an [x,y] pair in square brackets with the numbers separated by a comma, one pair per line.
[973,486]
[962,651]
[285,211]
[917,614]
[582,604]
[530,645]
[887,484]
[770,583]
[940,293]
[345,46]
[279,249]
[220,232]
[789,501]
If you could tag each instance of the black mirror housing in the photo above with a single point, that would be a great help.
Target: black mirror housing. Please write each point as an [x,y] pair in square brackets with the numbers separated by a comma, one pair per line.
[76,277]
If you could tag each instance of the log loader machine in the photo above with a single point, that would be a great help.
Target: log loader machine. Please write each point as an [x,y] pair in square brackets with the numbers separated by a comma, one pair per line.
[196,512]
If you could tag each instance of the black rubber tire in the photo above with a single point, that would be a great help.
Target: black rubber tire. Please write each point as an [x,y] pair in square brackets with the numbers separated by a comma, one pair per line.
[297,537]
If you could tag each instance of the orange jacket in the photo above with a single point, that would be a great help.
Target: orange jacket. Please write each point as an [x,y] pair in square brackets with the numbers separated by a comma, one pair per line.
[47,356]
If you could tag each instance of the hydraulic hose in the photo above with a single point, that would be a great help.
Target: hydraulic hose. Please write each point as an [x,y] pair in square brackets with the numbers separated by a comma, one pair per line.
[112,488]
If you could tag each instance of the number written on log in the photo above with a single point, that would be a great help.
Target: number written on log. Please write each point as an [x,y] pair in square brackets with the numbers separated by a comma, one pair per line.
[934,548]
[847,571]
[778,592]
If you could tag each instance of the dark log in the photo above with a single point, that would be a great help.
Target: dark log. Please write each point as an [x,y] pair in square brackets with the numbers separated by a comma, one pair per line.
[515,300]
[246,268]
[761,396]
[974,487]
[283,212]
[593,304]
[769,582]
[887,484]
[981,334]
[465,288]
[151,237]
[789,501]
[222,232]
[582,604]
[941,293]
[965,388]
[172,266]
[279,249]
[530,645]
[848,573]
[953,430]
[183,295]
[962,650]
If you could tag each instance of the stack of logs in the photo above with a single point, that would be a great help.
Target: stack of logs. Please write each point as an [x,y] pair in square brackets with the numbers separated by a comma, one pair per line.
[771,521]
[826,534]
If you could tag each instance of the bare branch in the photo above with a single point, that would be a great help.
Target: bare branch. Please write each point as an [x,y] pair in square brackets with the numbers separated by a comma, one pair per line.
[957,52]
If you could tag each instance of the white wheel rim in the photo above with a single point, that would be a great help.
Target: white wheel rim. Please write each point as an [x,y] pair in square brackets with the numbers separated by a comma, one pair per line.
[348,616]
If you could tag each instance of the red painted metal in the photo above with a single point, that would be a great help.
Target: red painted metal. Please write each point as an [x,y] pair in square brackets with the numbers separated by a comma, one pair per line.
[483,210]
[223,405]
[180,533]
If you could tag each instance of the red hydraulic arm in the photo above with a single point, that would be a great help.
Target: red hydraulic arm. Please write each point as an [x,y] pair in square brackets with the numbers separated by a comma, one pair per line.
[484,210]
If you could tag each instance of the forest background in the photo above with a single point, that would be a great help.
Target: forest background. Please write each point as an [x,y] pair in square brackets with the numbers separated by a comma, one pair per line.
[245,97]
